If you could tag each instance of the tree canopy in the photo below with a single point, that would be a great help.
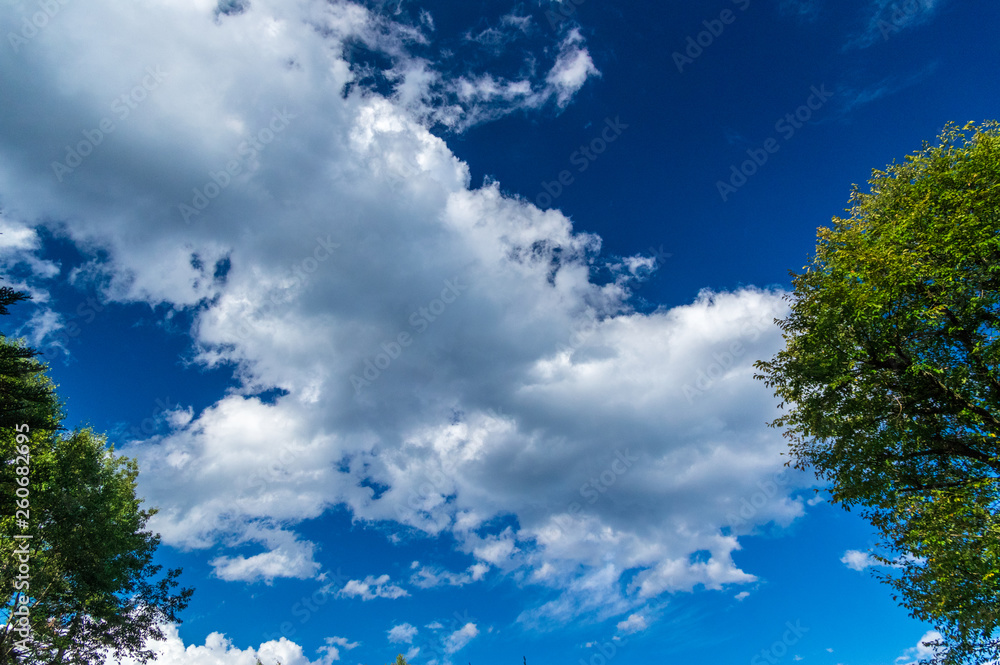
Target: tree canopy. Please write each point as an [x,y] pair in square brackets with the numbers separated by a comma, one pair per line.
[890,384]
[26,397]
[74,551]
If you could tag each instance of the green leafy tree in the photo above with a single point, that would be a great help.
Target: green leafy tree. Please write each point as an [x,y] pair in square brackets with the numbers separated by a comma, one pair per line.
[90,586]
[890,378]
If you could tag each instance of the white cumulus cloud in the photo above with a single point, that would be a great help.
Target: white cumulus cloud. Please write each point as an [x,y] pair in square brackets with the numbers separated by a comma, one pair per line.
[372,587]
[404,632]
[634,623]
[218,650]
[858,560]
[921,651]
[445,343]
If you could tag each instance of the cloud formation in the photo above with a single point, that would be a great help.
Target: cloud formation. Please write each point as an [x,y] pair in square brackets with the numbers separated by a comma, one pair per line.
[404,633]
[887,18]
[858,560]
[218,650]
[457,640]
[921,652]
[372,587]
[633,624]
[443,354]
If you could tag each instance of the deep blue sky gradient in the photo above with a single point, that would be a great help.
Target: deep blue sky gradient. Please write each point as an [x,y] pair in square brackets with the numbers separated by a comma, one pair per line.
[654,186]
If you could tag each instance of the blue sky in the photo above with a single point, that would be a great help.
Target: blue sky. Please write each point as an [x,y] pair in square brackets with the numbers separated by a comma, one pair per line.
[432,324]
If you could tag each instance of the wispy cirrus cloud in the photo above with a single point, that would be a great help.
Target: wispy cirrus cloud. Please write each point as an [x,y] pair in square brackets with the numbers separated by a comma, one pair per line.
[886,18]
[807,10]
[509,29]
[457,640]
[855,98]
[426,577]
